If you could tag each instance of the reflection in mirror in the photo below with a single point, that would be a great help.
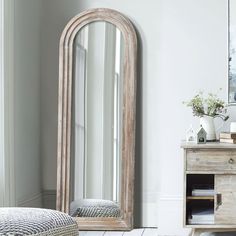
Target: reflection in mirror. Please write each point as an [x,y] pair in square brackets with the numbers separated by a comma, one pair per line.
[96,158]
[232,51]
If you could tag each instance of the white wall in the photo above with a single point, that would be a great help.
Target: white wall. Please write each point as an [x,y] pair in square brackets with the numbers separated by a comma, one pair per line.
[192,55]
[26,101]
[183,48]
[55,16]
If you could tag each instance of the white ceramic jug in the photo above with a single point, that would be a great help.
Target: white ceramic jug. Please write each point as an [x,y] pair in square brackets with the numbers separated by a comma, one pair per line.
[207,123]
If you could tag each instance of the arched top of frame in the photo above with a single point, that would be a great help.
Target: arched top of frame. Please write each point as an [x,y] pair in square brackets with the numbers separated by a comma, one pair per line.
[99,14]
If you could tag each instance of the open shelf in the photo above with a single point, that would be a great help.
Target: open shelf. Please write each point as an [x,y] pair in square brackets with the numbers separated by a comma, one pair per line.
[210,198]
[200,208]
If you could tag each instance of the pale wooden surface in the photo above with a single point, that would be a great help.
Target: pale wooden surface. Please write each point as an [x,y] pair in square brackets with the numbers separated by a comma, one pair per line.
[184,188]
[198,232]
[200,198]
[216,145]
[211,160]
[218,159]
[129,109]
[226,212]
[212,226]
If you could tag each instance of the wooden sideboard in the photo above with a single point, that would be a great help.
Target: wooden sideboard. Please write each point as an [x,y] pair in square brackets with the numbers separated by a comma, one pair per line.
[209,187]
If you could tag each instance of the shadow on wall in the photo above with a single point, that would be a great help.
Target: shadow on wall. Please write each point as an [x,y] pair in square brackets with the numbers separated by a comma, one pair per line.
[138,188]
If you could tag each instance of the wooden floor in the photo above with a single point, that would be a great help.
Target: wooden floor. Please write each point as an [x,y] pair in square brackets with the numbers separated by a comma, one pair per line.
[141,232]
[135,232]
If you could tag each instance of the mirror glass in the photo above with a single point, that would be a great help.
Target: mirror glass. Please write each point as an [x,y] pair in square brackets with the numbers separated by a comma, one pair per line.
[96,163]
[232,51]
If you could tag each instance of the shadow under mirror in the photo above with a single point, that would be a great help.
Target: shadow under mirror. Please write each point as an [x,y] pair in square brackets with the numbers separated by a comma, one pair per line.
[96,151]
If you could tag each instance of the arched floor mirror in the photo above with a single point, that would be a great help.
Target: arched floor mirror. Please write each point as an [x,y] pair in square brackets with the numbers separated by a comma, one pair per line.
[96,120]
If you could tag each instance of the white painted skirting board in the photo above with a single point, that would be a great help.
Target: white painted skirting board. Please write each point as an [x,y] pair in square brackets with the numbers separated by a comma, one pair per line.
[170,215]
[31,201]
[149,209]
[49,199]
[45,199]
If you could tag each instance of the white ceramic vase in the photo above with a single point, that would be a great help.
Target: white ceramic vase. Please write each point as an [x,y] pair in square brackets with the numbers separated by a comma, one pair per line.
[207,123]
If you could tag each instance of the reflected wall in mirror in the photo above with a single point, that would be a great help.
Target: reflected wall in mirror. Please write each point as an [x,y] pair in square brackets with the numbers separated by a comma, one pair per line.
[96,120]
[232,51]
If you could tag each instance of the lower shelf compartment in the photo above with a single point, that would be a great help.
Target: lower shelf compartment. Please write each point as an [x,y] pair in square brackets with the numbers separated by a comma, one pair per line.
[200,212]
[200,199]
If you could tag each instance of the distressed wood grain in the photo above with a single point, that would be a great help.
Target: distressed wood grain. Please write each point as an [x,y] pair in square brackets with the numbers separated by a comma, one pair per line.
[219,160]
[211,160]
[225,213]
[125,222]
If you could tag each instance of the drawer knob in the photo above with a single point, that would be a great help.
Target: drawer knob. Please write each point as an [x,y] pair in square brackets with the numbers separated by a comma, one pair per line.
[231,161]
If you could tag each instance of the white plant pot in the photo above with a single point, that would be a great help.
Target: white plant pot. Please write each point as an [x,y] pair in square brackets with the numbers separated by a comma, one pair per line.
[207,123]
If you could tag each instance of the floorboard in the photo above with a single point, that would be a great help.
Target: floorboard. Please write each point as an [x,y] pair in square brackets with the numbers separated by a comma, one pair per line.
[82,233]
[95,233]
[141,232]
[135,232]
[120,233]
[150,232]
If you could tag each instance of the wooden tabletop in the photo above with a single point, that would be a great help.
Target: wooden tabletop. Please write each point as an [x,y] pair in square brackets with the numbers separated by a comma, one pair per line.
[214,145]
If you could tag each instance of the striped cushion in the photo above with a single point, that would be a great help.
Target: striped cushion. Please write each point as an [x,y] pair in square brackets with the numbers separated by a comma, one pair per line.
[35,221]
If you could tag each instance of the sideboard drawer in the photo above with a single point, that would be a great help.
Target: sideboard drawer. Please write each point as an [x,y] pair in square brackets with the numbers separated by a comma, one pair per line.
[210,160]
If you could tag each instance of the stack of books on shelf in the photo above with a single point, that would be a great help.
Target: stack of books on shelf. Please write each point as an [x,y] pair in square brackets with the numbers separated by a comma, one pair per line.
[227,137]
[201,216]
[203,190]
[202,213]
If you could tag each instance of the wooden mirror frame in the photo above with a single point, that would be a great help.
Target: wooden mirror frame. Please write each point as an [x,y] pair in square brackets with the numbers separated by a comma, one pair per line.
[125,222]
